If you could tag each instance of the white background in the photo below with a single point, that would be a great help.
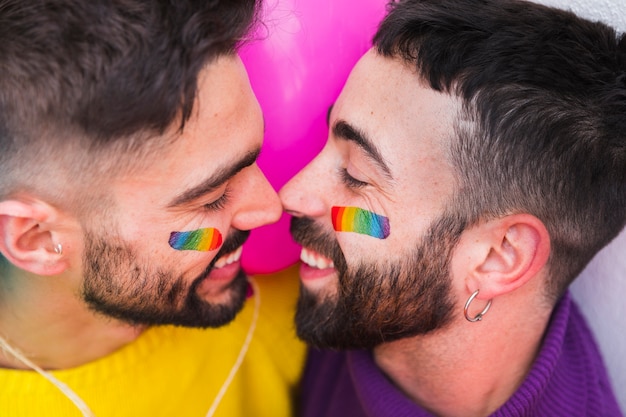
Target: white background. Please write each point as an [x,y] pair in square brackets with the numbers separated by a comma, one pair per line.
[601,288]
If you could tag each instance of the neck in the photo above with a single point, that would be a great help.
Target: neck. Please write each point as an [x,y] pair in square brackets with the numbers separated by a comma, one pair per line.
[467,369]
[49,324]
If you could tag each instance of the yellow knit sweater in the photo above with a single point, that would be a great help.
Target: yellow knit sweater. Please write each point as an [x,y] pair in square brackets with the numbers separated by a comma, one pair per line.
[173,371]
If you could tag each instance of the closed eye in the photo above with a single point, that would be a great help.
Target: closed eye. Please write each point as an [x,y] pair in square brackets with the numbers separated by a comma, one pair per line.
[350,181]
[220,203]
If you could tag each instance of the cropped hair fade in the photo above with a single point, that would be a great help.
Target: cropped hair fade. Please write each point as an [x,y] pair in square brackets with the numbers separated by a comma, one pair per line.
[104,71]
[543,125]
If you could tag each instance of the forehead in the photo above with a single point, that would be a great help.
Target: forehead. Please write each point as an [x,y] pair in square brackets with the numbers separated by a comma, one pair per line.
[225,127]
[404,118]
[226,117]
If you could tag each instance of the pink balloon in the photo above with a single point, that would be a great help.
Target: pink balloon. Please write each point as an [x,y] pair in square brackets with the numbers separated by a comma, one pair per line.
[301,60]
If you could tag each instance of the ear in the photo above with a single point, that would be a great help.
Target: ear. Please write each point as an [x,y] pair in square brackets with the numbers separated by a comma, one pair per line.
[504,254]
[29,234]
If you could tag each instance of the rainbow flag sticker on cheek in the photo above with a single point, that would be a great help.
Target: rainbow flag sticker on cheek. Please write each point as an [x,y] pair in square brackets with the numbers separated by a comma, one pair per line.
[202,240]
[358,220]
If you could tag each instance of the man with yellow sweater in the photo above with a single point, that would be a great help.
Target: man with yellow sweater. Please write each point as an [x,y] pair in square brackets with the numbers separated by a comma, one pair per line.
[128,183]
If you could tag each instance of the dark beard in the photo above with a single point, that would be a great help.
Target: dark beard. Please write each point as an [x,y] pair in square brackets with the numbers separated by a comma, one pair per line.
[117,286]
[378,302]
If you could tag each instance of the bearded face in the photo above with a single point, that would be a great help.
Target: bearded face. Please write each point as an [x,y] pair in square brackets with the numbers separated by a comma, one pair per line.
[118,284]
[375,300]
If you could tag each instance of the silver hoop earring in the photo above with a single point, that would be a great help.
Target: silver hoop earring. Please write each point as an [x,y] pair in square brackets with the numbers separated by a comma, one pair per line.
[479,316]
[58,249]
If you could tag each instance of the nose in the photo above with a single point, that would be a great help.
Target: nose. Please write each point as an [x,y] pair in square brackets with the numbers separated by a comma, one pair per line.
[303,194]
[260,205]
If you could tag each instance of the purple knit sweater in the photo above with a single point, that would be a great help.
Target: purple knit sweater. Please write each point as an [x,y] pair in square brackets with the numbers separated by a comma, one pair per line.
[568,379]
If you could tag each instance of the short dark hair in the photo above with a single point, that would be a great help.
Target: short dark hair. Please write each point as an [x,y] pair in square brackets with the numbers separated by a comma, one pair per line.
[112,73]
[543,121]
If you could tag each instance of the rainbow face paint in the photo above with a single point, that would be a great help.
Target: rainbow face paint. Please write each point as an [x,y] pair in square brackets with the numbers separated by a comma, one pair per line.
[201,240]
[358,220]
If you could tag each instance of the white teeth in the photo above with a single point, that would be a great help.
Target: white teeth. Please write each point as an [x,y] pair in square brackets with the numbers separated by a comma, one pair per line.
[315,260]
[304,256]
[229,258]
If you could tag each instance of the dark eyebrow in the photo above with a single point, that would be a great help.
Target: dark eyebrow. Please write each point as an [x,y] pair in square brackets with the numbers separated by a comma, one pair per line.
[343,130]
[219,177]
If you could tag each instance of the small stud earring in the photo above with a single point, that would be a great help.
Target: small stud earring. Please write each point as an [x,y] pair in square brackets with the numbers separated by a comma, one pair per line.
[58,249]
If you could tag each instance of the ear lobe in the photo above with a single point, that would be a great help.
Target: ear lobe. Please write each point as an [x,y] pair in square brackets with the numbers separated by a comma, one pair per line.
[519,248]
[26,237]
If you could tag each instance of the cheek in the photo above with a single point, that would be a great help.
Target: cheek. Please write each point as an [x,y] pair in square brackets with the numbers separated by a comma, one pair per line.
[197,231]
[360,249]
[413,223]
[202,240]
[361,221]
[363,235]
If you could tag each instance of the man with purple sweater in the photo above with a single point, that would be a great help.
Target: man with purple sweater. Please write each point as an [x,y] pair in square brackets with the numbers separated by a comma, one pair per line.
[476,162]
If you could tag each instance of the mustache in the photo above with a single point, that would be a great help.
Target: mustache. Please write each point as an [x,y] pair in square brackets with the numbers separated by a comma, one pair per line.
[311,235]
[232,242]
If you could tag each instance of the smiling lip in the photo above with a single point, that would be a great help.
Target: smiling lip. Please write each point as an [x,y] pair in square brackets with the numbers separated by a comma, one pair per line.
[226,267]
[315,266]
